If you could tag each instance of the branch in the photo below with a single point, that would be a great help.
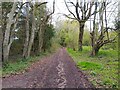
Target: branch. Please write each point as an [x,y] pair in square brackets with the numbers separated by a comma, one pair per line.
[48,16]
[89,12]
[70,11]
[106,21]
[87,8]
[81,8]
[99,10]
[72,3]
[53,8]
[108,41]
[77,13]
[42,4]
[111,28]
[68,16]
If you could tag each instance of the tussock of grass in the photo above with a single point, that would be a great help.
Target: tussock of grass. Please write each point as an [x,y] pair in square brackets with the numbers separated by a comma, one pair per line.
[102,70]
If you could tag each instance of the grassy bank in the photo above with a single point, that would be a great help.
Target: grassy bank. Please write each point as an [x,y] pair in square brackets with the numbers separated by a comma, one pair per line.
[21,65]
[102,70]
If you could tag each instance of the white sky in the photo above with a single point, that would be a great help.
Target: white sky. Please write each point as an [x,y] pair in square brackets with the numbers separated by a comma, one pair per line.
[60,8]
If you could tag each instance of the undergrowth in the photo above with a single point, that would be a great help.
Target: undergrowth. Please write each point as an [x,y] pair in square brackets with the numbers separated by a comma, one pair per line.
[20,65]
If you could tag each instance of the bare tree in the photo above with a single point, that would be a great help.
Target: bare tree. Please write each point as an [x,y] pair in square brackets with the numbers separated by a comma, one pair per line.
[93,32]
[83,11]
[98,38]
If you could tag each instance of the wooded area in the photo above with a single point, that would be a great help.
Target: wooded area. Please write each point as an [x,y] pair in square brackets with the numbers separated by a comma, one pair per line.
[28,28]
[24,27]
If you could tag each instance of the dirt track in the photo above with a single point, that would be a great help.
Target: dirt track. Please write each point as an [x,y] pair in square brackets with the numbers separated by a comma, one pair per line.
[55,71]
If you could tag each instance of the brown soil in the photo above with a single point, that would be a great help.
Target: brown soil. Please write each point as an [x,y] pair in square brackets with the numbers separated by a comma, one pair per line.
[55,71]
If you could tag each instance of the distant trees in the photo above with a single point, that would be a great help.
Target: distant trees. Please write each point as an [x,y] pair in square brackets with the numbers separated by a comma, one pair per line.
[68,34]
[48,34]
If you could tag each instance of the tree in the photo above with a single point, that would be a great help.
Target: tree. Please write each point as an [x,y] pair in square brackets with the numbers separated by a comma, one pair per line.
[9,26]
[48,34]
[21,23]
[27,31]
[7,40]
[83,11]
[30,32]
[117,26]
[44,21]
[1,33]
[33,28]
[93,32]
[67,33]
[101,37]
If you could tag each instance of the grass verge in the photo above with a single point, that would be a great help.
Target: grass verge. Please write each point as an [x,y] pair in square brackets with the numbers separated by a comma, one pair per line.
[21,65]
[102,70]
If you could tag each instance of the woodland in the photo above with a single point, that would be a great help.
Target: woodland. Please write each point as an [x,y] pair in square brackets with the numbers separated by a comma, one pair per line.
[27,33]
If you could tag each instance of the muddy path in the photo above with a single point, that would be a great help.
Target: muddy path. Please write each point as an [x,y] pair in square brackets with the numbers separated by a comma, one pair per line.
[55,71]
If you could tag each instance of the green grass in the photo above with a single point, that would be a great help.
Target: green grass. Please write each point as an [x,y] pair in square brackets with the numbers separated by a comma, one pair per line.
[89,65]
[20,65]
[102,70]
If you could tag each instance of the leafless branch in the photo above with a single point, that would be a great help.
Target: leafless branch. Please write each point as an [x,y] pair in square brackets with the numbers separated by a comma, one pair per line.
[68,16]
[48,16]
[42,4]
[77,12]
[89,11]
[70,10]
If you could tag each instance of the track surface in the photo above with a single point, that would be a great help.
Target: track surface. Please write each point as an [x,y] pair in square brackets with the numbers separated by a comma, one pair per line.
[55,71]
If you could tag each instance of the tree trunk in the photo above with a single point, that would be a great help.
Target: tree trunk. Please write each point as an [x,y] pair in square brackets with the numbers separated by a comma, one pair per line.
[32,33]
[81,29]
[119,45]
[93,43]
[1,41]
[119,32]
[1,33]
[41,32]
[7,33]
[25,49]
[94,51]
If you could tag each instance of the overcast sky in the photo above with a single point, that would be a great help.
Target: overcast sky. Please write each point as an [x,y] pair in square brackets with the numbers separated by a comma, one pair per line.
[60,8]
